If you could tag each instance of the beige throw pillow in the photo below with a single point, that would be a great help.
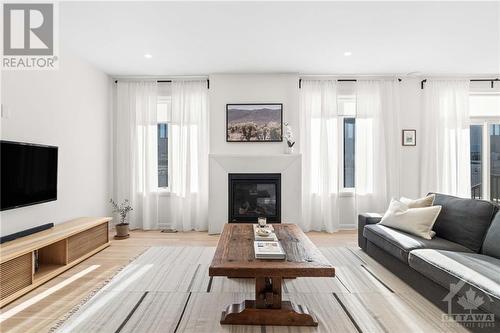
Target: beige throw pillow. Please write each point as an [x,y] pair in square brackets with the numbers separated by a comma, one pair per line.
[415,221]
[419,203]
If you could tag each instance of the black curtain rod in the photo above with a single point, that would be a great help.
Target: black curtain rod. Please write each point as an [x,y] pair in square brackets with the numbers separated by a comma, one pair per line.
[471,80]
[169,81]
[340,80]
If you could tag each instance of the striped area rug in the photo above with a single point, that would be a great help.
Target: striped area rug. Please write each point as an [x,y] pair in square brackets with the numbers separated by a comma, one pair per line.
[167,289]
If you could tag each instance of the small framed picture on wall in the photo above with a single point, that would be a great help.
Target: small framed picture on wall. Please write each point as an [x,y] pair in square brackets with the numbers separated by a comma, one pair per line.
[409,137]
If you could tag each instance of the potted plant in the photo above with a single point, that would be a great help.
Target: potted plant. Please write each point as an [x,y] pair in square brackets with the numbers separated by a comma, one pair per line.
[122,228]
[290,142]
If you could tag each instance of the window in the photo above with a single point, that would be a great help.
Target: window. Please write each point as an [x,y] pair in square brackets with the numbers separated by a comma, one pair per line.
[494,142]
[485,146]
[476,169]
[346,102]
[163,134]
[349,148]
[330,113]
[162,155]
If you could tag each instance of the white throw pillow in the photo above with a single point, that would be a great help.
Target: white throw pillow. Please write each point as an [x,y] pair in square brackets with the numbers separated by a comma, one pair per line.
[419,203]
[415,221]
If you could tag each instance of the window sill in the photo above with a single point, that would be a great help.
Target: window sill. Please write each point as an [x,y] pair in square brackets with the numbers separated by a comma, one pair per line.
[346,193]
[163,192]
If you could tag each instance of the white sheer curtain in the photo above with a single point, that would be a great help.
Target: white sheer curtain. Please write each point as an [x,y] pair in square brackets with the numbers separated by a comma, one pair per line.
[135,176]
[445,163]
[377,144]
[320,145]
[188,162]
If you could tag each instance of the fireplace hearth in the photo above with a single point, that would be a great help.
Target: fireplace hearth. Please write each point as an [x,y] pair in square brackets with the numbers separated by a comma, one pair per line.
[253,195]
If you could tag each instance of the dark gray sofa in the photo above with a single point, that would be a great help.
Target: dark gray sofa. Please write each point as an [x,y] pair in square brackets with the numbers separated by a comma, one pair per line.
[464,255]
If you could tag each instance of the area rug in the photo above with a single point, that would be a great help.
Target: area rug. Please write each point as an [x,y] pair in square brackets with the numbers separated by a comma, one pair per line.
[167,289]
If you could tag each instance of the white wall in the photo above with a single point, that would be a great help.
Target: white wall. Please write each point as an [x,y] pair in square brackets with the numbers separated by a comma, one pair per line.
[234,157]
[264,88]
[68,108]
[283,88]
[409,118]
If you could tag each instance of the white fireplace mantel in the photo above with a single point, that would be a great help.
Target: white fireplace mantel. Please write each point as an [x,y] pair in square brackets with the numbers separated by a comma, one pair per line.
[289,165]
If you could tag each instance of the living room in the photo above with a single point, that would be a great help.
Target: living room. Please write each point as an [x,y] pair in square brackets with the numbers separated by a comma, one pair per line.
[250,167]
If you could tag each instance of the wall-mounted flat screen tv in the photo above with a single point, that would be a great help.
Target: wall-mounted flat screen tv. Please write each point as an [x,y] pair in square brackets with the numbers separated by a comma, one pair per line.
[28,174]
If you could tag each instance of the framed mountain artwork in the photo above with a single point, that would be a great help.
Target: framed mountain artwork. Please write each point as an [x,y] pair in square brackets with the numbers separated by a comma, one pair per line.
[254,122]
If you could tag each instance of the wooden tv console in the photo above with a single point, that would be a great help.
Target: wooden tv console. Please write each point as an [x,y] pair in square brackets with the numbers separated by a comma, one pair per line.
[58,249]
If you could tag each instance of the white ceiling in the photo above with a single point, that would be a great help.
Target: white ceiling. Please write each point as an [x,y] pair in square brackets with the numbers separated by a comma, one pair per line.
[311,38]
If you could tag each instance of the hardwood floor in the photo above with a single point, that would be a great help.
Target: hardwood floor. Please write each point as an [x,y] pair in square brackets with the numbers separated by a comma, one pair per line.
[167,289]
[44,314]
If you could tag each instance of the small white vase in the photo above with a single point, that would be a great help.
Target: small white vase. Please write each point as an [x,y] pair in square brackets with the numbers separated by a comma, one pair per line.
[289,150]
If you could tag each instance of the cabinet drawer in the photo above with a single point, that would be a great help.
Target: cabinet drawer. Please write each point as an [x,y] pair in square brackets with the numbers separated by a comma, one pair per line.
[16,274]
[87,241]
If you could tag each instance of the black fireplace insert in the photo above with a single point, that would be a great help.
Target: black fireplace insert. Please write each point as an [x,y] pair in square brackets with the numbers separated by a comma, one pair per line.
[253,195]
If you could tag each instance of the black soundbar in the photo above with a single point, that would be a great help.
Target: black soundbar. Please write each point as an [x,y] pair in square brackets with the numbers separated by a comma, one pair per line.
[26,232]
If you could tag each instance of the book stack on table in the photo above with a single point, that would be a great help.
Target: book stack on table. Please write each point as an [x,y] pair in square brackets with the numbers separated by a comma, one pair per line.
[266,244]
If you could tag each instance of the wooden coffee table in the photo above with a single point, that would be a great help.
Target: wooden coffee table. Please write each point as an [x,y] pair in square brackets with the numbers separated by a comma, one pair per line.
[235,257]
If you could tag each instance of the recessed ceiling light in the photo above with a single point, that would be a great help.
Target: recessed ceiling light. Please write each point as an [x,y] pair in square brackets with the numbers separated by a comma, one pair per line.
[148,56]
[348,53]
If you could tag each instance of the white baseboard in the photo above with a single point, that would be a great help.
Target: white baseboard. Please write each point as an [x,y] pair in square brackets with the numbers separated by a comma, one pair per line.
[348,227]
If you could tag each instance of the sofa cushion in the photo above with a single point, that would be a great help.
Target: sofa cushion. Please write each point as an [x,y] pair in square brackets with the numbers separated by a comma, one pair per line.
[399,243]
[479,272]
[463,221]
[415,221]
[491,245]
[420,202]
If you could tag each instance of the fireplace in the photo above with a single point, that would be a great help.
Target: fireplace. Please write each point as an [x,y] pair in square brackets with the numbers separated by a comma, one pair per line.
[253,195]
